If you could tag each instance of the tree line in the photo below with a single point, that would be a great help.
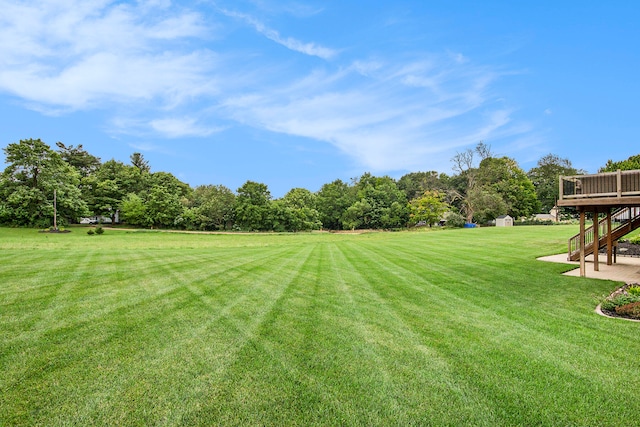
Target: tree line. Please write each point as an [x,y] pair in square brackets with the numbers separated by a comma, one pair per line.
[483,187]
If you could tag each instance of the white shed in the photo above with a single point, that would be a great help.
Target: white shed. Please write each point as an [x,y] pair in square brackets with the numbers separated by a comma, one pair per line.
[504,221]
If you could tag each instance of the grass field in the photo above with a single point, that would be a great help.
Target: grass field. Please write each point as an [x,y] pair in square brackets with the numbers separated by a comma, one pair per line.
[453,327]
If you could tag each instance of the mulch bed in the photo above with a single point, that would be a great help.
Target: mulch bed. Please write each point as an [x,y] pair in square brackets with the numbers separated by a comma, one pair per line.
[618,291]
[626,249]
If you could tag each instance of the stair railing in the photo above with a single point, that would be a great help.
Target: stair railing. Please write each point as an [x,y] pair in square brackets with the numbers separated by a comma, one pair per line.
[620,218]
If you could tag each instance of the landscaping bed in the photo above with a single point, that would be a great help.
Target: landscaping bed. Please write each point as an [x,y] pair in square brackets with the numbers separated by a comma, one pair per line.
[626,249]
[623,302]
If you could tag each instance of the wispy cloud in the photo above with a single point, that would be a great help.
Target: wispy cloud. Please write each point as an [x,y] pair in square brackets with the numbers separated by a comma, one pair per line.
[386,116]
[307,48]
[182,127]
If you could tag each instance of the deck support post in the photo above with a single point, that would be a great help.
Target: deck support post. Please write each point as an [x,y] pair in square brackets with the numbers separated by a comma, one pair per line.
[582,263]
[596,239]
[609,238]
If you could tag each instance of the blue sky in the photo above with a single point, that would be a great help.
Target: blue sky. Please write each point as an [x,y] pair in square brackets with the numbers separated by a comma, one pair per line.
[300,93]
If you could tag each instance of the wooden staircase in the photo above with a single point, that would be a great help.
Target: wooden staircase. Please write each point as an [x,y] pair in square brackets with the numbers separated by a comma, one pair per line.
[623,222]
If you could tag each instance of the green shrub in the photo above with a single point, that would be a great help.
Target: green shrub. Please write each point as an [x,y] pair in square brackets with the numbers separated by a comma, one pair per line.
[535,222]
[635,240]
[631,310]
[90,232]
[634,290]
[454,220]
[99,230]
[619,300]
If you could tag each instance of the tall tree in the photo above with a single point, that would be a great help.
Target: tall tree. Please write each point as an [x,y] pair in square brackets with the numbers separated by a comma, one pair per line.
[108,186]
[253,206]
[428,208]
[414,184]
[545,178]
[172,184]
[504,177]
[464,184]
[296,211]
[163,206]
[138,161]
[632,163]
[213,207]
[27,186]
[332,202]
[487,203]
[380,204]
[79,158]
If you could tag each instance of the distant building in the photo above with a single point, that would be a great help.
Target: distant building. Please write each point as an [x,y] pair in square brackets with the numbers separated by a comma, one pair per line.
[553,215]
[100,219]
[504,221]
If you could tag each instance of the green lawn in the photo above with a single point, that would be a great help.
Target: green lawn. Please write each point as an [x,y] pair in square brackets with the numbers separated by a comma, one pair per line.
[453,327]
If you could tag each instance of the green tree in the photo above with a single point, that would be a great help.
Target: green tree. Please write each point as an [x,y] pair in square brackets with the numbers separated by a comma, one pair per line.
[464,184]
[357,216]
[632,163]
[27,186]
[332,201]
[296,211]
[379,205]
[253,207]
[213,207]
[487,204]
[164,207]
[545,176]
[106,187]
[139,162]
[134,211]
[504,177]
[429,208]
[79,159]
[414,184]
[168,181]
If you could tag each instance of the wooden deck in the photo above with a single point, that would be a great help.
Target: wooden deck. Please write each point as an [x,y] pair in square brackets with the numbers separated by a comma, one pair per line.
[612,189]
[600,193]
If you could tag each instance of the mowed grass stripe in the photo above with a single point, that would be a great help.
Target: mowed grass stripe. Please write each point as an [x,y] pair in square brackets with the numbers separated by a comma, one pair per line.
[421,376]
[551,359]
[198,347]
[132,324]
[413,342]
[245,321]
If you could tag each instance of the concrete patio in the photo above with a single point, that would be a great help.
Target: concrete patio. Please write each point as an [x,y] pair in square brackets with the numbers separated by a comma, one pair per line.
[626,269]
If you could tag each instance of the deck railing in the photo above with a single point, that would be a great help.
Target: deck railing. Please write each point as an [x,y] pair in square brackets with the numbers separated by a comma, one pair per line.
[623,221]
[611,184]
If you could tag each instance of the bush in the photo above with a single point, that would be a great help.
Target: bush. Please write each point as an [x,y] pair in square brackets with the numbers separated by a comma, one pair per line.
[99,230]
[454,220]
[631,310]
[535,222]
[635,240]
[619,300]
[90,232]
[634,290]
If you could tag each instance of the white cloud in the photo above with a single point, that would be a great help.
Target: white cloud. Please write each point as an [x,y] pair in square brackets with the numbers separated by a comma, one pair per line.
[170,127]
[182,127]
[308,48]
[72,55]
[388,117]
